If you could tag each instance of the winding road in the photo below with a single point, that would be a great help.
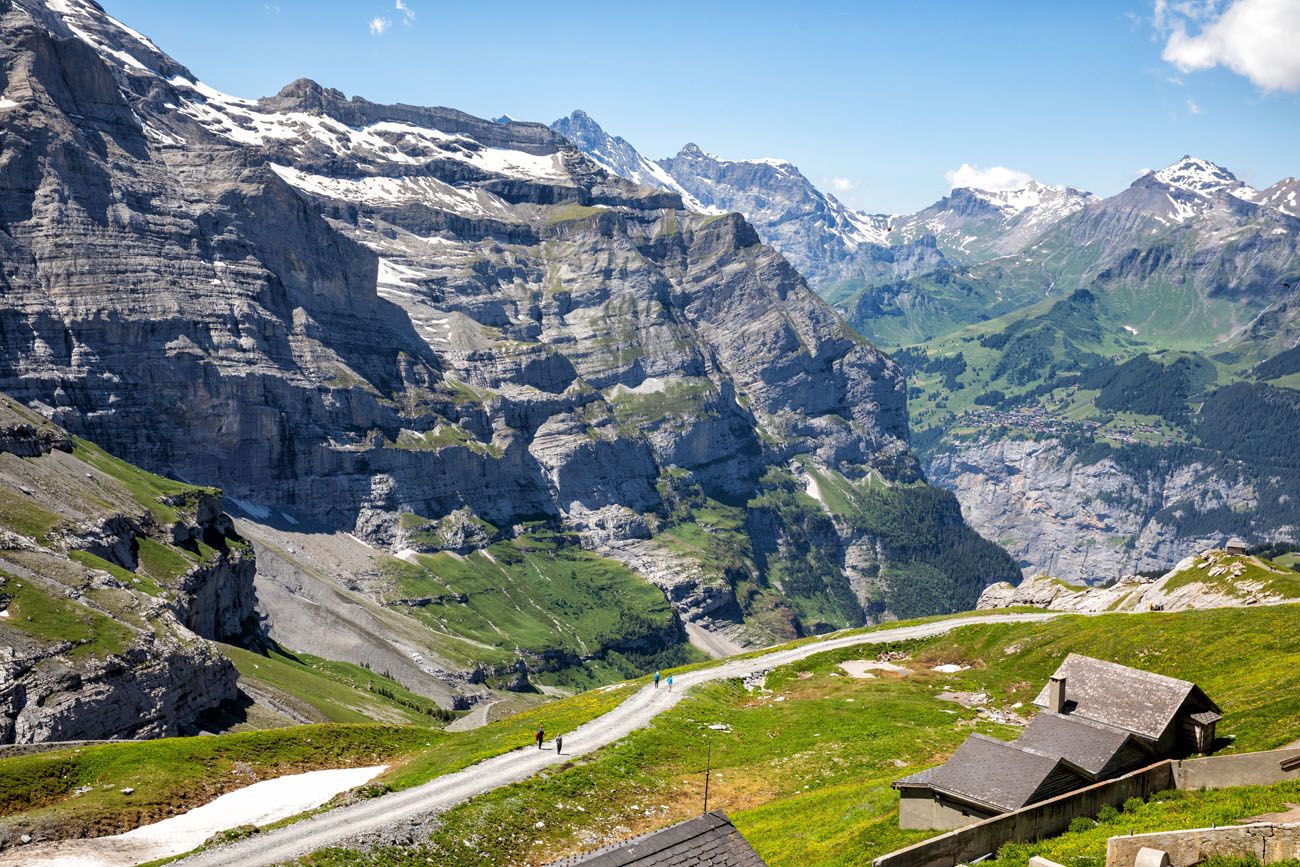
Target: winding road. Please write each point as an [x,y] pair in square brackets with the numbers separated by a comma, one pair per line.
[357,821]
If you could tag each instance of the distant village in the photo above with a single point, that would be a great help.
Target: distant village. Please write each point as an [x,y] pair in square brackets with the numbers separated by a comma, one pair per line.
[1035,419]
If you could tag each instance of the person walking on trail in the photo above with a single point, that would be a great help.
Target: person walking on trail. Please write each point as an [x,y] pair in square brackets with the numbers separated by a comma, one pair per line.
[670,683]
[559,745]
[540,736]
[656,680]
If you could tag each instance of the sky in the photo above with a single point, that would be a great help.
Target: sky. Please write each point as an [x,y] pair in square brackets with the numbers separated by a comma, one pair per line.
[885,104]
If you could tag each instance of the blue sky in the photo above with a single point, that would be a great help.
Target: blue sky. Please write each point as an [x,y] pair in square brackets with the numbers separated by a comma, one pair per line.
[874,101]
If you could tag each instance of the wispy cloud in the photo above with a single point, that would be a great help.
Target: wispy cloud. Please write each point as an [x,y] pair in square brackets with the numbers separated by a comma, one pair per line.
[379,25]
[843,185]
[408,14]
[271,8]
[1192,107]
[993,179]
[1256,39]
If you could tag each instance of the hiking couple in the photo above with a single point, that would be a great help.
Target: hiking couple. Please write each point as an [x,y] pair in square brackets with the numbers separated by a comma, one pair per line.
[541,736]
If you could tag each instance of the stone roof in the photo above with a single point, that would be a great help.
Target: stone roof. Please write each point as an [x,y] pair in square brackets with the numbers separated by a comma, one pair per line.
[990,772]
[1084,743]
[1126,698]
[709,841]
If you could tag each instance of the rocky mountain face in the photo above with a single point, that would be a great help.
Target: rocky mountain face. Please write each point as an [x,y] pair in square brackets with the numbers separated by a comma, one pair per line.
[836,248]
[110,580]
[1083,516]
[853,258]
[974,225]
[1012,303]
[1213,578]
[1125,425]
[617,156]
[443,354]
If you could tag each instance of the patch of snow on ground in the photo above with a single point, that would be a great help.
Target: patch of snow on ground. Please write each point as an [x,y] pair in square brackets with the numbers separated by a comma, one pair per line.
[862,668]
[814,490]
[253,510]
[649,385]
[394,191]
[949,668]
[259,804]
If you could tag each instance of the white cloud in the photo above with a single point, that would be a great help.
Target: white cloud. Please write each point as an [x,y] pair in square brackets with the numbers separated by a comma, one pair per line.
[379,25]
[843,185]
[408,14]
[1192,107]
[993,179]
[1253,38]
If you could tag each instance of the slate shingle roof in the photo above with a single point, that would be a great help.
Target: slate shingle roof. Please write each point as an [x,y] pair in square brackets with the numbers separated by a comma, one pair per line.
[709,841]
[1088,744]
[1116,695]
[991,772]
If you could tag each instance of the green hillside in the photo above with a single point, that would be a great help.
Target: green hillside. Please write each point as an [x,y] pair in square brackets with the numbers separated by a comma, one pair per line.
[805,769]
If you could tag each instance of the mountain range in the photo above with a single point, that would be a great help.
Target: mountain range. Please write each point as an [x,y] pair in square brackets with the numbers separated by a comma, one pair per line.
[487,414]
[1068,355]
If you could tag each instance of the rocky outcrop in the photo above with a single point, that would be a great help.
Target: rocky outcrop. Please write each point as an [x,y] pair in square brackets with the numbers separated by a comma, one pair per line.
[1211,579]
[111,580]
[159,686]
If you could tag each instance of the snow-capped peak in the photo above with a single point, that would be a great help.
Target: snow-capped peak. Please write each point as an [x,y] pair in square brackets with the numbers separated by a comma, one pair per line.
[618,157]
[1051,201]
[1198,176]
[114,41]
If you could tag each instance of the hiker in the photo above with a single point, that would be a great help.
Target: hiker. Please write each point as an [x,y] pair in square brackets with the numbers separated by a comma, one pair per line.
[540,735]
[559,745]
[670,683]
[656,680]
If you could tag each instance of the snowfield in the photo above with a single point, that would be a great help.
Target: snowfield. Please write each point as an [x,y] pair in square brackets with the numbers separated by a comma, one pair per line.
[259,804]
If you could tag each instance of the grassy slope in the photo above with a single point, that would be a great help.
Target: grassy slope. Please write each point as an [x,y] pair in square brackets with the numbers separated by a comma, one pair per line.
[56,619]
[538,594]
[337,691]
[173,774]
[806,778]
[1270,578]
[39,792]
[55,604]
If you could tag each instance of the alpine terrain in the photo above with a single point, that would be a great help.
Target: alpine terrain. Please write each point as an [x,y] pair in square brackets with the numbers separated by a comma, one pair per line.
[488,416]
[1107,385]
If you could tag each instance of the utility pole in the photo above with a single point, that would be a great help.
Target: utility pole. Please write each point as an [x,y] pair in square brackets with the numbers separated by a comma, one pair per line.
[708,768]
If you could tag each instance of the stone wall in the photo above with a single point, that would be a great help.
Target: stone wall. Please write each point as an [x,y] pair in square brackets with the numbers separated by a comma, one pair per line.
[1264,841]
[1053,816]
[1032,823]
[1244,769]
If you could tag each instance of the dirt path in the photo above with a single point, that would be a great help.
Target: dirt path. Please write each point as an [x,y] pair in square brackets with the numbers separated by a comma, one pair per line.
[353,824]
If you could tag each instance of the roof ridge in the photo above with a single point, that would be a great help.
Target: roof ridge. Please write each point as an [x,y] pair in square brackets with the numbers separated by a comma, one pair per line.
[1112,663]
